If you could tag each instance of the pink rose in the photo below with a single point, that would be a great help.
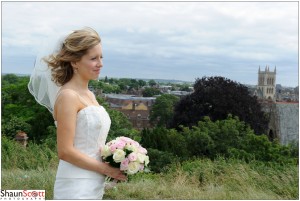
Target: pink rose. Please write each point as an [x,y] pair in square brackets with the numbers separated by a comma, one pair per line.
[135,143]
[124,164]
[120,144]
[132,156]
[142,150]
[125,139]
[142,167]
[113,148]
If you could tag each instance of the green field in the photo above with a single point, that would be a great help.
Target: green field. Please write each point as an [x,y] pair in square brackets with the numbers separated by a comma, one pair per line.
[199,179]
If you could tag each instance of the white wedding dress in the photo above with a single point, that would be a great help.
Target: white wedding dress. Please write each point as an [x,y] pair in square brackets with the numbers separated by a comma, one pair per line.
[72,182]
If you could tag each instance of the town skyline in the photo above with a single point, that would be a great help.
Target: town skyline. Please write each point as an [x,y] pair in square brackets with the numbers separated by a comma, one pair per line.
[163,40]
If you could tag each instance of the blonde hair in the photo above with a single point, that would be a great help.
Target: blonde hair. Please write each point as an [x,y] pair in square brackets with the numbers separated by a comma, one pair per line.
[73,48]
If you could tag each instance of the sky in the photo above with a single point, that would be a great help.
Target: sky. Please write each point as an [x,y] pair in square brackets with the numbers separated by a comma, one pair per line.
[163,40]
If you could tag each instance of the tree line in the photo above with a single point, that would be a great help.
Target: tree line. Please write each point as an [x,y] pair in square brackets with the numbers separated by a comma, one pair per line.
[220,118]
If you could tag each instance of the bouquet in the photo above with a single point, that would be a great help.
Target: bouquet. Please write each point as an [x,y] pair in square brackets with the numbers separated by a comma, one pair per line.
[126,154]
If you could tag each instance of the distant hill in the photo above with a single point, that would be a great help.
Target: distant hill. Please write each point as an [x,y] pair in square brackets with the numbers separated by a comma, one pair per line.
[166,81]
[156,80]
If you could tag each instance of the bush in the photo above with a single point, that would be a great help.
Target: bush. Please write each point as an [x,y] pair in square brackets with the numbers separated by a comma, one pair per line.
[226,138]
[15,124]
[160,160]
[255,147]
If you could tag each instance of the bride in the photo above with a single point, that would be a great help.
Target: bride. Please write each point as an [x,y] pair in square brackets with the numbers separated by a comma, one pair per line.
[60,82]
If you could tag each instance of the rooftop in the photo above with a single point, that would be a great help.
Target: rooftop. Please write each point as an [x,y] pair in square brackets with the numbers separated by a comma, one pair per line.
[128,97]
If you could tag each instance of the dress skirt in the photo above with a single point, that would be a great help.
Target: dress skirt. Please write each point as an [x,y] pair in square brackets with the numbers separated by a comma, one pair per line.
[78,188]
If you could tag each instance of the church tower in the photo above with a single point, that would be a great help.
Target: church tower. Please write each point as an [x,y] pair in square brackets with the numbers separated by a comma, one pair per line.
[267,84]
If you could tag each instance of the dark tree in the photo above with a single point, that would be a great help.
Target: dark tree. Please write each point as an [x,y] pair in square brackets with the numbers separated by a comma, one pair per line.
[217,97]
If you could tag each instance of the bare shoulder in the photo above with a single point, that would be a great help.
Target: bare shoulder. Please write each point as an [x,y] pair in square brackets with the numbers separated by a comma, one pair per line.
[67,95]
[92,94]
[67,101]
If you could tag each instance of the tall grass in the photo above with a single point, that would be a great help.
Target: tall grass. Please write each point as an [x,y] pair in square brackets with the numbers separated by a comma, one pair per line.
[17,179]
[35,156]
[196,179]
[220,179]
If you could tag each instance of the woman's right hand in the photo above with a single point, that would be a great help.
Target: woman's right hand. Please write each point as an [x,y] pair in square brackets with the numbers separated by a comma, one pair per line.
[113,172]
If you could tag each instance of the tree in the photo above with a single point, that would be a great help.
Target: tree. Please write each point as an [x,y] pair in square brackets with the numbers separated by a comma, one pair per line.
[20,111]
[106,87]
[105,79]
[9,79]
[217,97]
[152,83]
[163,109]
[133,84]
[150,92]
[14,125]
[185,87]
[142,83]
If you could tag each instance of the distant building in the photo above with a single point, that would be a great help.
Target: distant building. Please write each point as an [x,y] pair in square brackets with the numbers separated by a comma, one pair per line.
[266,88]
[180,94]
[283,121]
[280,105]
[165,89]
[136,109]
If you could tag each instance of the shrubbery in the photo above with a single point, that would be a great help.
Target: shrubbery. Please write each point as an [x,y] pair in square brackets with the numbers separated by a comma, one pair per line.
[160,160]
[38,157]
[229,138]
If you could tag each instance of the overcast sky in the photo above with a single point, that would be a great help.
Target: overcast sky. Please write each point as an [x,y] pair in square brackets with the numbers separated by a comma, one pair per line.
[166,40]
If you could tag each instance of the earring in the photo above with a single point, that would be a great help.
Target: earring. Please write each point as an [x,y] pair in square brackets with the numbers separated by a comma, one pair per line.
[75,70]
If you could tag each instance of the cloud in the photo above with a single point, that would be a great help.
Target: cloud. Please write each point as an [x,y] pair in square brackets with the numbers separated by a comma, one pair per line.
[163,38]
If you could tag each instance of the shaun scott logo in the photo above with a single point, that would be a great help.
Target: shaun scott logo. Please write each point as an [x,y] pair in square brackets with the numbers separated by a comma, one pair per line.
[22,195]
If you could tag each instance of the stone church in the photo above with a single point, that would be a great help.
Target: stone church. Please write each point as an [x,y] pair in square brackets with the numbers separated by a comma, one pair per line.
[266,88]
[283,116]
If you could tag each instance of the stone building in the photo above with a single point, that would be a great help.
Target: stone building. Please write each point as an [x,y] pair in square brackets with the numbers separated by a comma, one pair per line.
[283,115]
[266,88]
[283,121]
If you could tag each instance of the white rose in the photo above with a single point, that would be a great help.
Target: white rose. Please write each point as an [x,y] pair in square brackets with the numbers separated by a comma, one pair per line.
[119,156]
[133,167]
[105,151]
[140,158]
[146,160]
[131,147]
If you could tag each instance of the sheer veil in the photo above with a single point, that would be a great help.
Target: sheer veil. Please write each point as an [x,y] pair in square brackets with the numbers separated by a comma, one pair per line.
[41,85]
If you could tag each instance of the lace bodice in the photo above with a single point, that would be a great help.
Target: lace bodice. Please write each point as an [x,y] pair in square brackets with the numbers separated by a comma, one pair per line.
[92,126]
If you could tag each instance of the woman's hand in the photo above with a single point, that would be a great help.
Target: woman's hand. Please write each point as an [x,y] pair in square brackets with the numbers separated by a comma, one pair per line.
[113,172]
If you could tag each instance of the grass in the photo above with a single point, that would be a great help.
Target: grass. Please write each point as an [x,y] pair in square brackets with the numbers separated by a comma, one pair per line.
[216,180]
[18,179]
[198,179]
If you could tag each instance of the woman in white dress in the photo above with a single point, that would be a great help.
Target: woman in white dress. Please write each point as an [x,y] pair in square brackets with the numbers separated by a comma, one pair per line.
[82,124]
